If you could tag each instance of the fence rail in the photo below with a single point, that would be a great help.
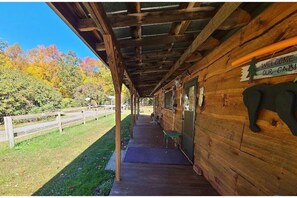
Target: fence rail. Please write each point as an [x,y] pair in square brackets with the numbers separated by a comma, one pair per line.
[62,119]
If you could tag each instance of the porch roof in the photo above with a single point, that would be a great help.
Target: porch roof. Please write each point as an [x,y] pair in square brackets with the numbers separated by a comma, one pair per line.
[157,41]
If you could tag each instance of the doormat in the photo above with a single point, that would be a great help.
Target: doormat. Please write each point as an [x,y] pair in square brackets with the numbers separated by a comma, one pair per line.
[155,156]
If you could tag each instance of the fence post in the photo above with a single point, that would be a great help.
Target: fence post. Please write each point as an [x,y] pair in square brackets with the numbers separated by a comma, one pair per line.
[84,116]
[9,131]
[97,113]
[59,122]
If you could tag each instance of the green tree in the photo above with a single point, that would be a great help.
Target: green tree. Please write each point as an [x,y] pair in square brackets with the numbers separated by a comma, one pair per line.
[125,95]
[5,62]
[107,83]
[44,78]
[92,91]
[22,94]
[69,75]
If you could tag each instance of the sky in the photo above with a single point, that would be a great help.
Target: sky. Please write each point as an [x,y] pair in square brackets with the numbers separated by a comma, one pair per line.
[33,24]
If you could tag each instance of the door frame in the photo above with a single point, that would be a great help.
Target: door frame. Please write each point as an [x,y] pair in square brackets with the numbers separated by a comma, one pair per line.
[189,83]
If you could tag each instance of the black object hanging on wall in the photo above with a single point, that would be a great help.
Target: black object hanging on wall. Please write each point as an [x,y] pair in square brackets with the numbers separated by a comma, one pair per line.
[280,98]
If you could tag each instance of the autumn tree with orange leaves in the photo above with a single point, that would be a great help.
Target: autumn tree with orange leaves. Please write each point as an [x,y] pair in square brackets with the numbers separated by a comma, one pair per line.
[67,79]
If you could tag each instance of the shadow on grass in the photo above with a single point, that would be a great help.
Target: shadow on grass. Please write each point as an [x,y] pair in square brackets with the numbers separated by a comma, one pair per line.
[85,175]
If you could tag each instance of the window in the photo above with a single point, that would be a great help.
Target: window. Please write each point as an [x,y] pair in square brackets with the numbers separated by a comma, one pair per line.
[168,100]
[189,99]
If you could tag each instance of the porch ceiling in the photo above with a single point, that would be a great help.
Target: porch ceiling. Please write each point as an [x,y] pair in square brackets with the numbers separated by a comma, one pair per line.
[152,36]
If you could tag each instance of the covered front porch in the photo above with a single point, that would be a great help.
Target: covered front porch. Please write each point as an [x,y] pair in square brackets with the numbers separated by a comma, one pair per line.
[157,179]
[197,59]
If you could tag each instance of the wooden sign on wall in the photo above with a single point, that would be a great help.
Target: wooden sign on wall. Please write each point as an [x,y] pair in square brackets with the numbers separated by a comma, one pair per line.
[277,66]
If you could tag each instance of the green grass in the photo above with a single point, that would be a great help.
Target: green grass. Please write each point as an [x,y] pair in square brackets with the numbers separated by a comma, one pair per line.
[71,163]
[146,110]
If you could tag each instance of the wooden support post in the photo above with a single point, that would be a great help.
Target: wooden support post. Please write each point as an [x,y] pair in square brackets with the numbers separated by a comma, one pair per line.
[154,107]
[117,72]
[59,122]
[136,118]
[83,116]
[134,103]
[9,131]
[132,116]
[118,135]
[138,107]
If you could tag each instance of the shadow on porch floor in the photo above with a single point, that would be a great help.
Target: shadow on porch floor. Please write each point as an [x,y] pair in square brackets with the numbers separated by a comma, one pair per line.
[143,179]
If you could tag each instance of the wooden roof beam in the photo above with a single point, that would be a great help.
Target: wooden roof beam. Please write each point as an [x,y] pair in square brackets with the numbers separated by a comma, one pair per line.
[239,18]
[147,60]
[153,55]
[144,78]
[135,7]
[210,43]
[194,57]
[156,17]
[179,28]
[97,13]
[146,85]
[158,67]
[223,13]
[86,25]
[149,64]
[153,62]
[152,40]
[156,40]
[183,25]
[149,71]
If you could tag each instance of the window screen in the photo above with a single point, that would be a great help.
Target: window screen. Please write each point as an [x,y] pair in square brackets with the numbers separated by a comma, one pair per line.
[168,100]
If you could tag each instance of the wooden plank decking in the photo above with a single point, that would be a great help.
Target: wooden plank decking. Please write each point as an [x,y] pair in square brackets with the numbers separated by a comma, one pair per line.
[154,179]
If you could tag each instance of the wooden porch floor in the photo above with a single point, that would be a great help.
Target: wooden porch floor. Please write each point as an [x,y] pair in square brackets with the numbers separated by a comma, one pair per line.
[154,179]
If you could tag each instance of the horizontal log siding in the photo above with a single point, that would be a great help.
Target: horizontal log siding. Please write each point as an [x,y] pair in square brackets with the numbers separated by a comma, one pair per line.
[235,160]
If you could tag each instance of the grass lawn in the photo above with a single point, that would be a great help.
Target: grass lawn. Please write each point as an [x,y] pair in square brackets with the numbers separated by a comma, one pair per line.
[146,110]
[71,163]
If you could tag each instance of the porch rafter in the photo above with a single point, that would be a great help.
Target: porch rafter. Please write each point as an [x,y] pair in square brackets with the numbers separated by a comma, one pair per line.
[98,15]
[223,13]
[150,36]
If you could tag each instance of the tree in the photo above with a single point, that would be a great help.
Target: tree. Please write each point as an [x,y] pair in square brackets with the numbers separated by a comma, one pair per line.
[22,94]
[16,56]
[5,62]
[125,95]
[92,91]
[147,101]
[106,81]
[43,64]
[44,78]
[69,74]
[89,65]
[3,45]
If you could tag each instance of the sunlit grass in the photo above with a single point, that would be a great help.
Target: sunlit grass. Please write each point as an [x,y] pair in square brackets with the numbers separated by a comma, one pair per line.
[146,110]
[71,163]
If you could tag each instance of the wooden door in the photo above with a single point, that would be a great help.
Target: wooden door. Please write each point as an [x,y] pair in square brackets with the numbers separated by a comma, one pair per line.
[189,108]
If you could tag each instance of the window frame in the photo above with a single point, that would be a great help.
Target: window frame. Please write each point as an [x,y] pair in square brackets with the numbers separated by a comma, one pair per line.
[170,105]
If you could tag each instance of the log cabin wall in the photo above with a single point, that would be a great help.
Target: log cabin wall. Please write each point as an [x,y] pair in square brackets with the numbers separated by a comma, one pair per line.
[234,159]
[167,117]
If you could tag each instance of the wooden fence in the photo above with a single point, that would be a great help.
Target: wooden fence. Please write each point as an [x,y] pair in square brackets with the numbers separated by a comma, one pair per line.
[79,116]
